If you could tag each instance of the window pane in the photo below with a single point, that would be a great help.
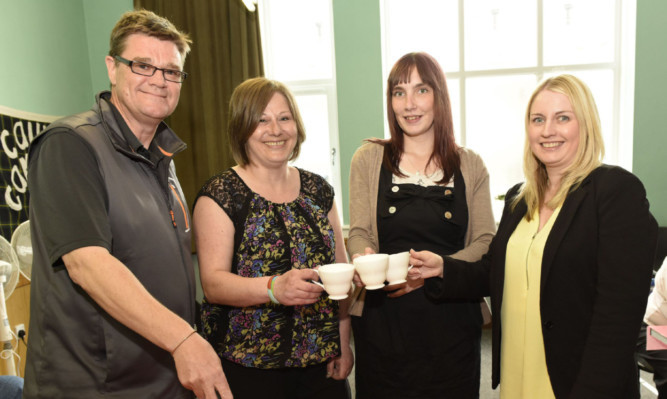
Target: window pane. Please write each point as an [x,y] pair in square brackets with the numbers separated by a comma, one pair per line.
[578,32]
[454,87]
[495,108]
[298,38]
[423,25]
[500,34]
[315,155]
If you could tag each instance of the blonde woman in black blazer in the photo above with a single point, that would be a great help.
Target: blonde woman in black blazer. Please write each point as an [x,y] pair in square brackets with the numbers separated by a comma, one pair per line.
[590,274]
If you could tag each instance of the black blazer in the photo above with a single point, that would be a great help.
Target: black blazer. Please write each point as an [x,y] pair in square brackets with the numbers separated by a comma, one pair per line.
[596,272]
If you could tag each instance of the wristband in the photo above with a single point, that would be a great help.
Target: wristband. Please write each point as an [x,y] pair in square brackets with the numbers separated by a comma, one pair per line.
[183,340]
[269,290]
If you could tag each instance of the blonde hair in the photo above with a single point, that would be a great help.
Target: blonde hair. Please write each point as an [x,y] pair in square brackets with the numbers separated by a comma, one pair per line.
[248,102]
[589,153]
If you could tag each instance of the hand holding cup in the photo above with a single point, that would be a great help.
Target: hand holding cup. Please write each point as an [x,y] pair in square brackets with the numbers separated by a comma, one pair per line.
[294,287]
[357,279]
[426,264]
[372,269]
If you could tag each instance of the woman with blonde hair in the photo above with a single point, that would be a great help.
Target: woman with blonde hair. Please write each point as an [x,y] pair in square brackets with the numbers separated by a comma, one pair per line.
[570,266]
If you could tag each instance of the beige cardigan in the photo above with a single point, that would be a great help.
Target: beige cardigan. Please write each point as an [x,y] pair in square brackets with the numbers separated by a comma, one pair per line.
[364,181]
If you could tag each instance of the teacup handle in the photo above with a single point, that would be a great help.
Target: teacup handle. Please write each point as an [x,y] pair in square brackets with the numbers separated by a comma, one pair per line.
[316,282]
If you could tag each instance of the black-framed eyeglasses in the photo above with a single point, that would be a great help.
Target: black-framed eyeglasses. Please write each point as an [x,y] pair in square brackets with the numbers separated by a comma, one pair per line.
[141,68]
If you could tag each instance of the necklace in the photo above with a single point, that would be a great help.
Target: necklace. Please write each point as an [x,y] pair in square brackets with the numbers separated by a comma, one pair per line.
[418,172]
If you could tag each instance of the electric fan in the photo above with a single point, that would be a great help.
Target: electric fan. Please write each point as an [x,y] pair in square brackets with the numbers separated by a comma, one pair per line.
[23,248]
[9,276]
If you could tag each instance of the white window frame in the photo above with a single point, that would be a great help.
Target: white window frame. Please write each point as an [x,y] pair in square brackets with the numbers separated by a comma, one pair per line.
[326,87]
[619,150]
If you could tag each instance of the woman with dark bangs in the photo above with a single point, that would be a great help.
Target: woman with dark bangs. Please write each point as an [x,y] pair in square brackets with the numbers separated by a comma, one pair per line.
[417,190]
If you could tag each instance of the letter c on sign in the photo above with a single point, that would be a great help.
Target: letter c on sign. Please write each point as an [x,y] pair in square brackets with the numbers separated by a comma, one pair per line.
[13,154]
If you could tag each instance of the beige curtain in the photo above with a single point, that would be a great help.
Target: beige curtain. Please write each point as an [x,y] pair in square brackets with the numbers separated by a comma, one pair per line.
[226,51]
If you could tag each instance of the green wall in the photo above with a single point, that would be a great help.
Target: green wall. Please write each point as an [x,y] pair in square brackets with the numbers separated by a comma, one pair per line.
[54,52]
[101,16]
[54,63]
[359,80]
[650,132]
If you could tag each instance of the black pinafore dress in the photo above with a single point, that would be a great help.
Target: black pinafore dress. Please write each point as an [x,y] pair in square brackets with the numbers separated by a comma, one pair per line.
[411,346]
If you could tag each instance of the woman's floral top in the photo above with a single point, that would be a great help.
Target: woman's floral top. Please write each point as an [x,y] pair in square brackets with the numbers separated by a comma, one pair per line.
[270,239]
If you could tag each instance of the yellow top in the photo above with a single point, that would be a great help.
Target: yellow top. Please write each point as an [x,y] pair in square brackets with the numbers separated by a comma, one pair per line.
[523,367]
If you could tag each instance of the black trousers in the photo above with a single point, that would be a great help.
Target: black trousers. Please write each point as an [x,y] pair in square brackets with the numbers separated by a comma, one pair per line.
[657,360]
[287,383]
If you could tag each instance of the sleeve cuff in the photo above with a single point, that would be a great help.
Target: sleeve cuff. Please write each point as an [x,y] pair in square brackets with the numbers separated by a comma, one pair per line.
[434,288]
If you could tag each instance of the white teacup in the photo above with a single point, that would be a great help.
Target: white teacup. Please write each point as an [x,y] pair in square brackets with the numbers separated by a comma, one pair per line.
[398,267]
[372,269]
[336,279]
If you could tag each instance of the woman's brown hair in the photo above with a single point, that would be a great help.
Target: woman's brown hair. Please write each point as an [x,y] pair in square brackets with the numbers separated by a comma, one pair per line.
[248,102]
[445,150]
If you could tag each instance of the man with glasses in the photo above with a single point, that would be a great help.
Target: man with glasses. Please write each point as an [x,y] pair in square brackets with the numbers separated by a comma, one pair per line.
[113,289]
